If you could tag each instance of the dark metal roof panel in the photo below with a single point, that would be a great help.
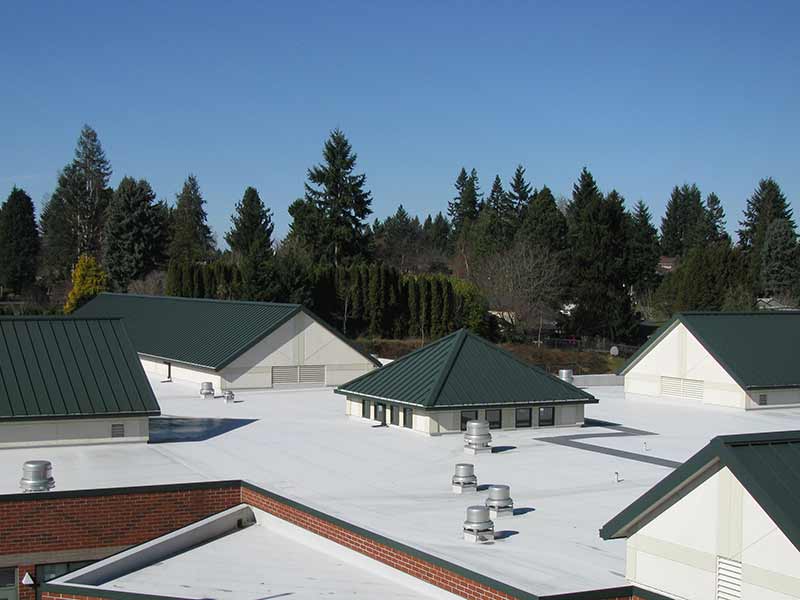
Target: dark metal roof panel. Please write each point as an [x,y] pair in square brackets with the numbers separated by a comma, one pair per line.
[462,369]
[53,367]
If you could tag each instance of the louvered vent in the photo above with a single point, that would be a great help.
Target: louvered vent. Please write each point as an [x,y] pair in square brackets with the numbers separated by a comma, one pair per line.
[117,430]
[284,375]
[682,388]
[312,374]
[729,579]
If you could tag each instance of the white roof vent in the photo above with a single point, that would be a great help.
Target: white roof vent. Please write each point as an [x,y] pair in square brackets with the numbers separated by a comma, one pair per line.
[229,396]
[499,501]
[477,437]
[478,527]
[206,390]
[37,476]
[565,375]
[464,479]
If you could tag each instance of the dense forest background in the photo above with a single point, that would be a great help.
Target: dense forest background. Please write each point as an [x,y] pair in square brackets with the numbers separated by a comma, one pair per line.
[514,263]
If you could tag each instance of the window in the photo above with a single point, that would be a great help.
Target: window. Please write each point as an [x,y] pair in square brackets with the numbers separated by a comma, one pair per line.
[395,412]
[117,430]
[762,399]
[365,409]
[408,417]
[467,415]
[8,583]
[380,413]
[547,416]
[495,418]
[47,572]
[522,417]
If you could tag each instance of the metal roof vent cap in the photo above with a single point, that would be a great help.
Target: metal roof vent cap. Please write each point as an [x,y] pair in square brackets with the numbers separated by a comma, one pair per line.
[499,501]
[478,527]
[229,396]
[565,375]
[477,437]
[464,479]
[206,390]
[37,476]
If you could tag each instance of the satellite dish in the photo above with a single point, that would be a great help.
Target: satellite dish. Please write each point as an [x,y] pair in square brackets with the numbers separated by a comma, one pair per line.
[614,351]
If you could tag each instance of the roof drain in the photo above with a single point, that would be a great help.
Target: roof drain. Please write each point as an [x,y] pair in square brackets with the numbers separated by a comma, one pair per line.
[464,479]
[478,527]
[477,437]
[499,502]
[37,476]
[206,390]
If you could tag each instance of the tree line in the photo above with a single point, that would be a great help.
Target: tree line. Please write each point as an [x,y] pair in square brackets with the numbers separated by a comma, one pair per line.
[586,265]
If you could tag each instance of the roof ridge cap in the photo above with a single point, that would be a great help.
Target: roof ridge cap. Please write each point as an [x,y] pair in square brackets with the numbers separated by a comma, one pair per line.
[189,299]
[461,336]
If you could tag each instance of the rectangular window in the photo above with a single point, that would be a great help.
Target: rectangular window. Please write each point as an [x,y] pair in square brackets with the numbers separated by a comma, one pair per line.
[8,583]
[495,418]
[408,418]
[467,415]
[380,413]
[547,416]
[365,409]
[395,412]
[762,399]
[51,571]
[522,417]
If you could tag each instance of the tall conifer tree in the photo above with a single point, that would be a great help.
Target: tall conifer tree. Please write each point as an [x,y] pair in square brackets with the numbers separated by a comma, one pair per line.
[19,242]
[192,240]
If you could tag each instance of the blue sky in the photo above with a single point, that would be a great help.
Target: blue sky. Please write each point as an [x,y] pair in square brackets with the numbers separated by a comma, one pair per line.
[645,94]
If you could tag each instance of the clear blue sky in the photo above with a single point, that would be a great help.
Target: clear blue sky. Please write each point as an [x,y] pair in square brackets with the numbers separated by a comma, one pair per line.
[645,94]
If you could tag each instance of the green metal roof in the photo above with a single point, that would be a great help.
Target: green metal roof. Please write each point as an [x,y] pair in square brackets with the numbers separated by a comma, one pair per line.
[199,332]
[54,367]
[766,464]
[757,349]
[463,369]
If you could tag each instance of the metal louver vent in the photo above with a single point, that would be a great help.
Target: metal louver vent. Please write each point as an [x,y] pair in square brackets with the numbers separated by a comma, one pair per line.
[312,374]
[682,388]
[729,579]
[117,430]
[284,375]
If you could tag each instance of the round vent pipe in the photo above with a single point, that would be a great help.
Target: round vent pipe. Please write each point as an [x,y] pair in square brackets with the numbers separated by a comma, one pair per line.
[565,375]
[206,390]
[464,479]
[499,502]
[37,476]
[478,527]
[477,437]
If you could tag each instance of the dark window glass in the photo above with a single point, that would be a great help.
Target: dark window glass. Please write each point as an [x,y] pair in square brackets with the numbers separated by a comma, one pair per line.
[408,417]
[51,571]
[467,415]
[395,415]
[8,577]
[495,418]
[522,417]
[365,409]
[380,413]
[547,416]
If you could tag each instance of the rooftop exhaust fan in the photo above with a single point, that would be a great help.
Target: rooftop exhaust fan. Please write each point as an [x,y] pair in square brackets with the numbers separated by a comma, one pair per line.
[464,479]
[565,375]
[499,502]
[229,396]
[206,390]
[478,527]
[477,437]
[37,476]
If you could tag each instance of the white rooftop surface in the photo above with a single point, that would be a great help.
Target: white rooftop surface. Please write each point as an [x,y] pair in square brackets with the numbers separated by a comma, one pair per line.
[270,560]
[397,482]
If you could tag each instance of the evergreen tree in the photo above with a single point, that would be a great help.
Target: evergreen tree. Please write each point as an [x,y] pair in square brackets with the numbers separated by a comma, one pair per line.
[86,209]
[464,207]
[59,238]
[250,240]
[413,307]
[174,285]
[520,192]
[504,213]
[436,308]
[643,249]
[439,233]
[19,242]
[375,302]
[685,223]
[424,306]
[88,280]
[779,259]
[447,306]
[135,234]
[715,218]
[397,239]
[191,240]
[187,279]
[198,291]
[331,218]
[544,225]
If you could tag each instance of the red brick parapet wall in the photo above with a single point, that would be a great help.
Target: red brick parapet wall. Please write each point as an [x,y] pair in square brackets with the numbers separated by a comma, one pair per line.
[58,521]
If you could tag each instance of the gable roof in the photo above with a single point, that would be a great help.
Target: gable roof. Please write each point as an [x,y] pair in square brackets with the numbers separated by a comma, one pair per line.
[463,369]
[766,464]
[200,332]
[53,367]
[757,349]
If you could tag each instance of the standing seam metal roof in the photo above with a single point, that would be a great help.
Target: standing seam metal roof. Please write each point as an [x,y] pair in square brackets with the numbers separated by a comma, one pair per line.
[52,367]
[463,369]
[200,332]
[757,349]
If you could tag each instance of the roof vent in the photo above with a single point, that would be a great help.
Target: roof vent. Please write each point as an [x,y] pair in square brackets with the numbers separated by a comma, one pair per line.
[477,437]
[478,527]
[37,476]
[206,390]
[464,479]
[229,396]
[499,501]
[565,375]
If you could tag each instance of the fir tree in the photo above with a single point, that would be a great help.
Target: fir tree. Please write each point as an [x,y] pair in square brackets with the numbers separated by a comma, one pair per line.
[375,302]
[463,209]
[436,308]
[685,223]
[424,306]
[174,279]
[643,249]
[715,218]
[779,258]
[504,213]
[413,307]
[88,280]
[19,242]
[191,240]
[520,192]
[92,170]
[187,279]
[447,306]
[544,225]
[250,240]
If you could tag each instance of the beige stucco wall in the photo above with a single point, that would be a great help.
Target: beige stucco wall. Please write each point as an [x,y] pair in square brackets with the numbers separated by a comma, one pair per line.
[676,553]
[63,432]
[679,354]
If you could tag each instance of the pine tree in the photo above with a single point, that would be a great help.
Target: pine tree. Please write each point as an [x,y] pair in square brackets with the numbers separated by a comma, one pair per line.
[779,259]
[643,250]
[447,306]
[685,222]
[715,218]
[86,209]
[191,240]
[174,279]
[464,207]
[19,242]
[135,235]
[198,291]
[544,226]
[504,213]
[413,307]
[331,218]
[88,280]
[520,192]
[250,240]
[424,306]
[187,279]
[375,302]
[436,308]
